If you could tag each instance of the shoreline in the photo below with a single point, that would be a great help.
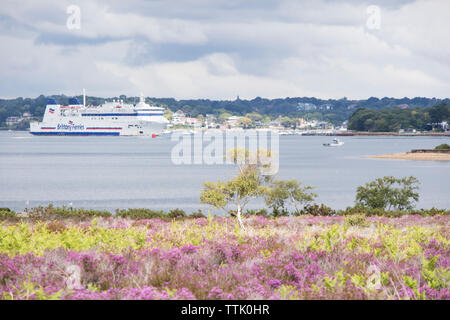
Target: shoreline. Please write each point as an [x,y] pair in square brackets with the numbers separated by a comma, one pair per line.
[395,134]
[312,133]
[429,156]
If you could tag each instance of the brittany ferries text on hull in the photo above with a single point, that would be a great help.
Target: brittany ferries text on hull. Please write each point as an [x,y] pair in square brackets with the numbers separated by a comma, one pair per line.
[112,118]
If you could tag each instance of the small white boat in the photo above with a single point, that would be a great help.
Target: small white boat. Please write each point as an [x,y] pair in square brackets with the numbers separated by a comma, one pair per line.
[336,143]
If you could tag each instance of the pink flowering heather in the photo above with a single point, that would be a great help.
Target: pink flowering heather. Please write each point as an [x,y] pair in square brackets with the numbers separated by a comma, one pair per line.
[286,258]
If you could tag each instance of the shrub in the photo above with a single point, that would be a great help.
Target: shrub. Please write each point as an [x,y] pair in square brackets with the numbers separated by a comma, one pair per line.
[387,213]
[6,213]
[316,210]
[357,220]
[140,213]
[176,214]
[261,212]
[362,210]
[279,212]
[81,213]
[50,212]
[431,212]
[41,212]
[358,209]
[443,146]
[56,226]
[198,214]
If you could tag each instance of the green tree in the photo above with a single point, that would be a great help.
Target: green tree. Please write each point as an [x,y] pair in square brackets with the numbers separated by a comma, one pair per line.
[287,122]
[187,109]
[288,193]
[266,119]
[369,124]
[395,118]
[439,113]
[245,122]
[223,117]
[232,196]
[168,114]
[254,116]
[201,120]
[381,125]
[389,192]
[253,177]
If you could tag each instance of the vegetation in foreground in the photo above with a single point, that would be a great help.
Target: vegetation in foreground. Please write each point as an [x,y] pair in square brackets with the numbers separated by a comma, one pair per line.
[316,253]
[307,257]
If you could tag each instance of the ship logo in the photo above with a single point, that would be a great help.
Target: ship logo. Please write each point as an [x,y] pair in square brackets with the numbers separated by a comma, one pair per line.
[51,110]
[71,123]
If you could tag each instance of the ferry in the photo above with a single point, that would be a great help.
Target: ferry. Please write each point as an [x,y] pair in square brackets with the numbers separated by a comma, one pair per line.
[114,118]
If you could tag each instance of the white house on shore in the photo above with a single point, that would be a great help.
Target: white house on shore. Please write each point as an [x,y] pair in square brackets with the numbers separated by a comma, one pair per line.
[178,117]
[233,121]
[10,121]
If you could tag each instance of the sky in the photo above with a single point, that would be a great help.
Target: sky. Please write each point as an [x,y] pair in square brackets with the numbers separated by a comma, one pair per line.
[218,49]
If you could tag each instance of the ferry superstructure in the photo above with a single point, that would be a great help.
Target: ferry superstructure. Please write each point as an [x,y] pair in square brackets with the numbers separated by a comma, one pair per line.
[112,118]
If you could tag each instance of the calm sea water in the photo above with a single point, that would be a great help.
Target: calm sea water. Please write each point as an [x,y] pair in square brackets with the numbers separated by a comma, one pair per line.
[125,172]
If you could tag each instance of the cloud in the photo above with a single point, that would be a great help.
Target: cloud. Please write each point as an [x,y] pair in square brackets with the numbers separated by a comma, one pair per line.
[218,49]
[213,76]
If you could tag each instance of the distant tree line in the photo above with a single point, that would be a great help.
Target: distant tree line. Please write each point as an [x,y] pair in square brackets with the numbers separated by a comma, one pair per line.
[257,109]
[394,119]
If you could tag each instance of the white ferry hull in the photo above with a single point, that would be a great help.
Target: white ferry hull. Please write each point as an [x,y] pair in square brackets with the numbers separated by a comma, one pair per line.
[118,129]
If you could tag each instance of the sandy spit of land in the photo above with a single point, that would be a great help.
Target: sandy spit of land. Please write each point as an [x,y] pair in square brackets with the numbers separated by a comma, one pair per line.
[415,156]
